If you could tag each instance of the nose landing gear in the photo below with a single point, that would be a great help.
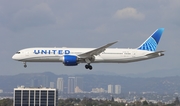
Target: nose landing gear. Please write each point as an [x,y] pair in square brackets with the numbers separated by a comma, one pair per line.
[25,65]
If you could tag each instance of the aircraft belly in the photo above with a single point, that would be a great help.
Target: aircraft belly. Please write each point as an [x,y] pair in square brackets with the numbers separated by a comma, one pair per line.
[120,59]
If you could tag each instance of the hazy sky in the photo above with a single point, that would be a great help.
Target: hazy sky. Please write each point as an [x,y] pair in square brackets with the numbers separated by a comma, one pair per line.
[88,23]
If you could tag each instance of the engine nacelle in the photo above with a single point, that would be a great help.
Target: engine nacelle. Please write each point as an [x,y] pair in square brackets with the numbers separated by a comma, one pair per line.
[70,60]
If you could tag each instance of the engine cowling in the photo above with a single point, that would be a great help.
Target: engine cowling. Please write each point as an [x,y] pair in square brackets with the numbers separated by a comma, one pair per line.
[70,60]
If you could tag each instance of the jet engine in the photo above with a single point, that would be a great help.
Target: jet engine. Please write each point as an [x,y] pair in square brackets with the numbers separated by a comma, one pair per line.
[70,60]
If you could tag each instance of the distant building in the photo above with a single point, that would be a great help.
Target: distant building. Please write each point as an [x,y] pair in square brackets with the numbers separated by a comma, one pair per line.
[44,81]
[1,91]
[35,82]
[120,100]
[40,80]
[98,90]
[35,96]
[75,83]
[79,83]
[110,88]
[71,85]
[60,84]
[117,89]
[77,90]
[51,85]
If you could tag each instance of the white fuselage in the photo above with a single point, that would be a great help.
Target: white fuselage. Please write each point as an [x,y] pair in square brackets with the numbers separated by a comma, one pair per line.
[103,54]
[110,55]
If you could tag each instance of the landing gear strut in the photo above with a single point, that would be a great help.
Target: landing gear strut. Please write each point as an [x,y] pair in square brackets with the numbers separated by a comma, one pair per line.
[25,65]
[88,66]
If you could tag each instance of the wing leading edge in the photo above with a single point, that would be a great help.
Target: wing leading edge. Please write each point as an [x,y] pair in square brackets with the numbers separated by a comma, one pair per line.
[96,51]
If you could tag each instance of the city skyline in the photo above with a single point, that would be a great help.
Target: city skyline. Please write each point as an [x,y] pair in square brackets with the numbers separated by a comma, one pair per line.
[96,85]
[101,93]
[91,81]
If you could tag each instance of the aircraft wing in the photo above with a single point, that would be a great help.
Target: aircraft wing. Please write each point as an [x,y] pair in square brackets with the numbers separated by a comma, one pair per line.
[96,51]
[158,53]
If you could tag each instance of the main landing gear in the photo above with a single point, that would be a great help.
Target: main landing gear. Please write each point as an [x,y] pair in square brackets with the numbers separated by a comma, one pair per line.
[25,65]
[88,66]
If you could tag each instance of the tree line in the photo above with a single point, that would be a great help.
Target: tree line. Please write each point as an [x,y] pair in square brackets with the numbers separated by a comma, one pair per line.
[90,102]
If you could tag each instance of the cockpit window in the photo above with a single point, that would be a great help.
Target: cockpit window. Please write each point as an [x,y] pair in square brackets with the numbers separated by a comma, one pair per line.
[17,52]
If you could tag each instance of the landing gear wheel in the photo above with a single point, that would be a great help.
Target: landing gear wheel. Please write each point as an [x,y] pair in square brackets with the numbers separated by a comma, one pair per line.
[88,66]
[25,65]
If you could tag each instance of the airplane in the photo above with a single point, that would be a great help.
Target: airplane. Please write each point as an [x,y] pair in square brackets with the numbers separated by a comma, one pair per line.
[103,54]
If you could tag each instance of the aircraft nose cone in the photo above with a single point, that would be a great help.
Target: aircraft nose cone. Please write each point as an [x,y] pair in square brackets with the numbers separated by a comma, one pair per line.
[14,57]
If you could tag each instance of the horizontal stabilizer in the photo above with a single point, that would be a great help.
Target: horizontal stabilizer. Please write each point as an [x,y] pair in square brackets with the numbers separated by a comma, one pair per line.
[158,53]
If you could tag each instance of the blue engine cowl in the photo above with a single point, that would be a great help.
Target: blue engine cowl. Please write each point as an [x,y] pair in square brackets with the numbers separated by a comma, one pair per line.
[70,60]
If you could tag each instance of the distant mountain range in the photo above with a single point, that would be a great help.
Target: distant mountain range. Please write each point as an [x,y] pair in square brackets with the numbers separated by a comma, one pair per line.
[137,84]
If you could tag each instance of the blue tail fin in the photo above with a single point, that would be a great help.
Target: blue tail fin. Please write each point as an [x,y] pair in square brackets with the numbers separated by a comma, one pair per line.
[151,43]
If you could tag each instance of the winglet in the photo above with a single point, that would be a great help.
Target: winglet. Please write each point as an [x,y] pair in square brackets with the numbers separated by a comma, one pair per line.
[151,43]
